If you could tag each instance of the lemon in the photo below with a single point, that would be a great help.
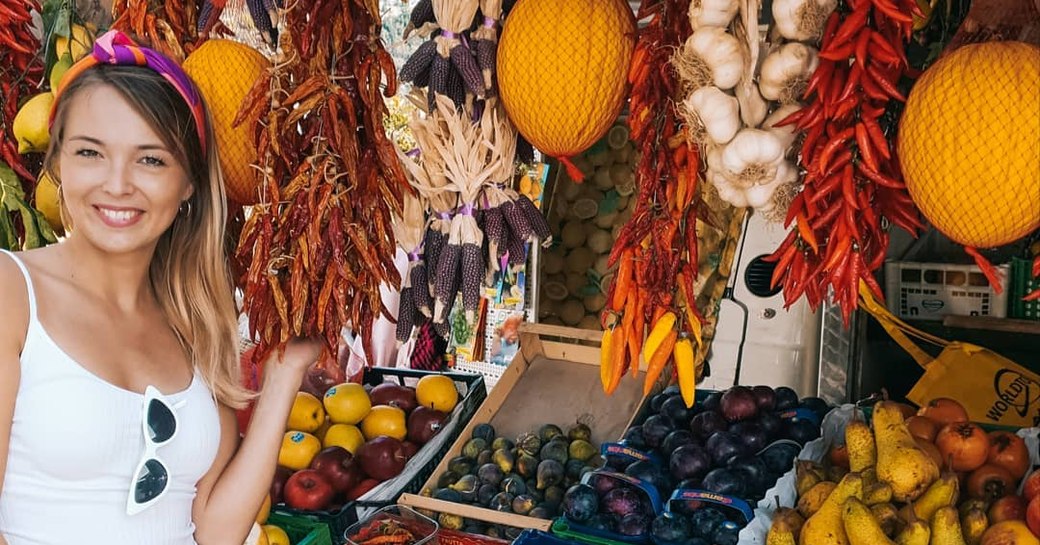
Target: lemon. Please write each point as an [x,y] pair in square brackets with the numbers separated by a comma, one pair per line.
[562,70]
[224,72]
[47,202]
[343,435]
[59,69]
[437,392]
[80,43]
[30,124]
[969,143]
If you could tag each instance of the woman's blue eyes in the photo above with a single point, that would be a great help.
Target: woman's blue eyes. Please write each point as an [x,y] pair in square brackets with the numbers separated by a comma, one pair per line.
[86,153]
[149,160]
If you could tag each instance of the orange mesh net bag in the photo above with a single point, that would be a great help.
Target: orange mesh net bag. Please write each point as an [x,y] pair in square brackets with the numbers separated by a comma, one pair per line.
[969,139]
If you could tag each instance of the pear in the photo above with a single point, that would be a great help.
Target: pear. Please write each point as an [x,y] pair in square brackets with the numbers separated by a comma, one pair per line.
[900,463]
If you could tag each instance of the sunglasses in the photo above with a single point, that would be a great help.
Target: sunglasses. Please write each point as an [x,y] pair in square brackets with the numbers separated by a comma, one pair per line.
[151,478]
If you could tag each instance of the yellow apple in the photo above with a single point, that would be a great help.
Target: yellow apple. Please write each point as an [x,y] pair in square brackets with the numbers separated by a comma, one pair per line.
[347,403]
[275,535]
[385,420]
[265,510]
[298,449]
[343,435]
[307,413]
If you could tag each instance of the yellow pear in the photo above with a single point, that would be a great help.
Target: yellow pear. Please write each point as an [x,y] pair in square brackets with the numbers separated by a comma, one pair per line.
[58,70]
[860,443]
[900,462]
[47,202]
[307,413]
[825,527]
[860,525]
[30,124]
[77,45]
[946,527]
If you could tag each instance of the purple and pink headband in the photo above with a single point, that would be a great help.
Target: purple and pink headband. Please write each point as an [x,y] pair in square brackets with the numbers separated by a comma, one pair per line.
[116,48]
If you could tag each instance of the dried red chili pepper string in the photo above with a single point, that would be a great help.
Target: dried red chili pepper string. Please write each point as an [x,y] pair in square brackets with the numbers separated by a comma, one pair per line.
[21,71]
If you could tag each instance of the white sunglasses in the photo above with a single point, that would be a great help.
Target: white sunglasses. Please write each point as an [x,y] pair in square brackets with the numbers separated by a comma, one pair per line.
[151,478]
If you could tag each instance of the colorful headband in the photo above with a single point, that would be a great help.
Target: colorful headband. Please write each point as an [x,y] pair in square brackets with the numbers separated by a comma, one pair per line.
[116,48]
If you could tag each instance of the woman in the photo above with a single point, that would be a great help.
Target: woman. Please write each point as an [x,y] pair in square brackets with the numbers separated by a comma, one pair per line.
[119,347]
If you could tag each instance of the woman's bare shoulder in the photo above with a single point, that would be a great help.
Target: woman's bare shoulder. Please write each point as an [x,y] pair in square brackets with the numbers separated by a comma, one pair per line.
[14,313]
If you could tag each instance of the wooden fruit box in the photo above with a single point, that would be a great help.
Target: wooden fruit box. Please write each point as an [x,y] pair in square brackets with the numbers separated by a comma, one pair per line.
[554,378]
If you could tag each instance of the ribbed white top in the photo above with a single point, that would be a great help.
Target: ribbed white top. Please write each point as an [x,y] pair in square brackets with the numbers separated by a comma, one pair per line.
[75,442]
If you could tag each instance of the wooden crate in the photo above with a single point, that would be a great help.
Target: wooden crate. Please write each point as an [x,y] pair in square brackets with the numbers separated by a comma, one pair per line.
[553,379]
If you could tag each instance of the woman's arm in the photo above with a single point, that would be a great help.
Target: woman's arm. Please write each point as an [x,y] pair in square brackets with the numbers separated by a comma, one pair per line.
[230,494]
[15,317]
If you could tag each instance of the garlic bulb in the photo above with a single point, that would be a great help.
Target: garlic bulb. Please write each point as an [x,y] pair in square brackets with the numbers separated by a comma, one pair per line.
[753,108]
[710,56]
[727,190]
[717,111]
[786,71]
[751,157]
[787,134]
[760,197]
[802,20]
[717,13]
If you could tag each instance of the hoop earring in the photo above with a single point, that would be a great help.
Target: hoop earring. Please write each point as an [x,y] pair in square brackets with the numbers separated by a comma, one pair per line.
[185,208]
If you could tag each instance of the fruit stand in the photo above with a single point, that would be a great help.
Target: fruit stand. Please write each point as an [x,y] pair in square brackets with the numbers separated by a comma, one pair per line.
[659,272]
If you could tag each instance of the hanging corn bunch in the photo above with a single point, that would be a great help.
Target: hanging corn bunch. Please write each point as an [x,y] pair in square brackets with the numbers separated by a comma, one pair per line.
[408,230]
[485,42]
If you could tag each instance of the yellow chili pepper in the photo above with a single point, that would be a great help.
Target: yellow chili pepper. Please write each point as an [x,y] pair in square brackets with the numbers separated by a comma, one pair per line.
[605,363]
[657,334]
[687,375]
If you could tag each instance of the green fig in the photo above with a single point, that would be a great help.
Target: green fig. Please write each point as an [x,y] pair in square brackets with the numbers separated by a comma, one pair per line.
[473,447]
[461,465]
[504,460]
[550,472]
[554,450]
[483,431]
[554,496]
[527,465]
[446,479]
[573,468]
[502,443]
[451,522]
[467,487]
[503,501]
[579,431]
[523,504]
[513,485]
[580,449]
[548,431]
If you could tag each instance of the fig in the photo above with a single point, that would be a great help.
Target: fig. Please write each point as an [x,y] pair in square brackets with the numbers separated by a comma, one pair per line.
[503,501]
[447,478]
[553,496]
[580,449]
[554,450]
[484,457]
[549,472]
[490,474]
[523,504]
[513,485]
[460,465]
[541,512]
[484,431]
[501,443]
[485,493]
[467,487]
[579,431]
[548,432]
[447,494]
[473,447]
[573,468]
[503,459]
[526,465]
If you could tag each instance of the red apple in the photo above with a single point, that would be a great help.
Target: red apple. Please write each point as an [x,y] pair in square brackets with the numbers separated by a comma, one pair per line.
[308,490]
[337,465]
[382,458]
[424,423]
[1011,507]
[281,474]
[1031,488]
[410,449]
[361,489]
[1033,516]
[394,395]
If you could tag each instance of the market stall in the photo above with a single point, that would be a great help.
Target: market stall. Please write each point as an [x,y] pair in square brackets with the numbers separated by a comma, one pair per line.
[669,272]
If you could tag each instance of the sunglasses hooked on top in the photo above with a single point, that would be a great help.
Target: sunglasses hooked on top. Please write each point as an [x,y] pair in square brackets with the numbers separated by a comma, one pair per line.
[151,477]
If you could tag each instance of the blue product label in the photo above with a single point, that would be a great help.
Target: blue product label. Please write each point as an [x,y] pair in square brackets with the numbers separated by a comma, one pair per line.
[620,450]
[647,488]
[802,413]
[703,496]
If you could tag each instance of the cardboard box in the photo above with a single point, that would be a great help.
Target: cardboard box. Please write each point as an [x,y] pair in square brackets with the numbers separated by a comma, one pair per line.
[553,379]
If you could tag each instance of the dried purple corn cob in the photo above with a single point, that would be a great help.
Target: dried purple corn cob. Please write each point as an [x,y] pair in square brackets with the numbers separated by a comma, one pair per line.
[421,290]
[472,278]
[262,21]
[446,284]
[534,218]
[433,242]
[440,72]
[517,251]
[495,232]
[462,59]
[487,52]
[524,150]
[421,14]
[420,62]
[405,315]
[456,88]
[441,329]
[517,220]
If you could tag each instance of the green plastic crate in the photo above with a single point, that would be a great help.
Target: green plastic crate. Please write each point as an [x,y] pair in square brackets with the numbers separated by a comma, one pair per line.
[302,531]
[1021,283]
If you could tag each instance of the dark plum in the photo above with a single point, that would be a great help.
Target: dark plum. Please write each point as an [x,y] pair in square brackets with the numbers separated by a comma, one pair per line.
[693,482]
[635,524]
[705,521]
[705,424]
[675,440]
[765,398]
[656,402]
[757,476]
[713,401]
[672,389]
[723,446]
[689,461]
[655,429]
[669,528]
[727,534]
[580,503]
[738,403]
[696,541]
[754,437]
[723,480]
[801,430]
[786,398]
[602,483]
[771,423]
[651,473]
[675,409]
[634,438]
[622,501]
[816,405]
[602,521]
[779,457]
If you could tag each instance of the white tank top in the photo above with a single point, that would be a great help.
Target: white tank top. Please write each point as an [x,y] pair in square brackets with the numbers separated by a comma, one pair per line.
[75,442]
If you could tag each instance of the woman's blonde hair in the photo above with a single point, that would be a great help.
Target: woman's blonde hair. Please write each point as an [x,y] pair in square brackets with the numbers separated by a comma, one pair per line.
[189,273]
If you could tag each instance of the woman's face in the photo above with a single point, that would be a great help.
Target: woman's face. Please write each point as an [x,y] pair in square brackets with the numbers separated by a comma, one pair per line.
[122,186]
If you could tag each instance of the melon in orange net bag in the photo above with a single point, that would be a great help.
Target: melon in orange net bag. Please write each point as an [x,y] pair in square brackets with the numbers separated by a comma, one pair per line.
[969,144]
[224,72]
[562,68]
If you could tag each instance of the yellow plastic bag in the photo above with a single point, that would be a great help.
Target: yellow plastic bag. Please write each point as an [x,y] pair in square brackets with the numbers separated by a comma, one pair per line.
[991,387]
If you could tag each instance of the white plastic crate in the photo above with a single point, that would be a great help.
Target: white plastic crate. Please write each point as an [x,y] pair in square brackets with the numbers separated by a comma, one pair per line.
[930,291]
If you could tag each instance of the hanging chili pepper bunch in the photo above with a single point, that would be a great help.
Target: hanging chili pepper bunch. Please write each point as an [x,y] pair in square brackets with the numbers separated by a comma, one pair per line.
[852,185]
[320,243]
[169,26]
[656,251]
[21,71]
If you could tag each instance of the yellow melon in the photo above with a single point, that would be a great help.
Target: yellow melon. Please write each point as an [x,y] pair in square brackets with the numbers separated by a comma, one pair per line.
[224,72]
[562,68]
[969,143]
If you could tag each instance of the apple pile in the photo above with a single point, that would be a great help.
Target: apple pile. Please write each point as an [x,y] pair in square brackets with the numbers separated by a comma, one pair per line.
[339,447]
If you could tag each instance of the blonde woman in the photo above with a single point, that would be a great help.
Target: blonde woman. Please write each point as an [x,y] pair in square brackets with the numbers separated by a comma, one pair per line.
[118,351]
